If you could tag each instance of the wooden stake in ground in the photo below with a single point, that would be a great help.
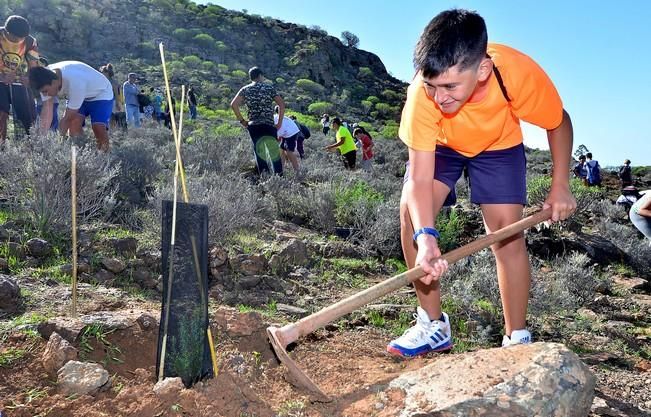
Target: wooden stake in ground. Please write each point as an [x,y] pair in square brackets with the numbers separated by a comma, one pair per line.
[73,182]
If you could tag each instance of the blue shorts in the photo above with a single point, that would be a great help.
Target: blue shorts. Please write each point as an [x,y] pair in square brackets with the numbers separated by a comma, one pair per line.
[496,177]
[99,111]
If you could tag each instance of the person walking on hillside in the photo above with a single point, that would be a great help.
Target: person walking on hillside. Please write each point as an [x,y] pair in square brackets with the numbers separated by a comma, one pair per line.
[89,93]
[157,104]
[625,174]
[463,108]
[325,123]
[367,147]
[192,102]
[288,134]
[305,134]
[130,90]
[640,215]
[594,170]
[344,143]
[19,52]
[118,117]
[259,96]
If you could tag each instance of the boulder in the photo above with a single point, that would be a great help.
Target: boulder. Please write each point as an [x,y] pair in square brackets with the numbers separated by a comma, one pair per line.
[114,265]
[68,328]
[541,379]
[218,257]
[168,388]
[249,264]
[9,294]
[125,246]
[109,320]
[103,276]
[599,249]
[147,322]
[58,352]
[293,253]
[80,378]
[39,248]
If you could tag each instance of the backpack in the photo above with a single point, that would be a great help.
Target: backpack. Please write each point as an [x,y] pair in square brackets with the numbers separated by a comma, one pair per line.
[304,130]
[594,173]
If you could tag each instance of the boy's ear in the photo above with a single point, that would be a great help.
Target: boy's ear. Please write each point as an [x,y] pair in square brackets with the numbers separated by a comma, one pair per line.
[485,69]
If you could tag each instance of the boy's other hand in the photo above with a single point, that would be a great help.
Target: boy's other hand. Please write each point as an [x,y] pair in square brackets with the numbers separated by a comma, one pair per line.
[428,258]
[561,201]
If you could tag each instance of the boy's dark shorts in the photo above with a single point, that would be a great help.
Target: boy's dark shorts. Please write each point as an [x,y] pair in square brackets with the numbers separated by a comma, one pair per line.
[496,177]
[289,144]
[5,98]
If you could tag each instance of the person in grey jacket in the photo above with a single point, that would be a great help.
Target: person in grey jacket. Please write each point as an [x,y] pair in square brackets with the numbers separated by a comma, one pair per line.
[130,90]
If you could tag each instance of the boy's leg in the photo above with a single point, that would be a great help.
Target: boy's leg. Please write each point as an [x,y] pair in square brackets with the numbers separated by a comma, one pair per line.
[101,136]
[513,268]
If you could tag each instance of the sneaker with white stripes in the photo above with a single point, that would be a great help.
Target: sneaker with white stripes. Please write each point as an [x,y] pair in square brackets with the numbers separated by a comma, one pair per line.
[425,336]
[518,337]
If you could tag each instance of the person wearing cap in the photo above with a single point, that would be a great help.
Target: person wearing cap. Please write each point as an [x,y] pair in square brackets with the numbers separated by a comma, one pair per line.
[18,51]
[89,93]
[130,91]
[259,96]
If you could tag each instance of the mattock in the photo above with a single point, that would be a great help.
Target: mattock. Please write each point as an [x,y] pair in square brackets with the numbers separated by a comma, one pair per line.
[281,337]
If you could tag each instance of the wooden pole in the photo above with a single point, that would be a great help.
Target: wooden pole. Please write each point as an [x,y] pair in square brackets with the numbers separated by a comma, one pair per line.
[73,182]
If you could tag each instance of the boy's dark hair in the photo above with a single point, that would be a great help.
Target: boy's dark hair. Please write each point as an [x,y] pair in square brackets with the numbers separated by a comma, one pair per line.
[107,69]
[39,77]
[581,157]
[453,37]
[17,26]
[357,130]
[589,155]
[254,73]
[336,120]
[292,117]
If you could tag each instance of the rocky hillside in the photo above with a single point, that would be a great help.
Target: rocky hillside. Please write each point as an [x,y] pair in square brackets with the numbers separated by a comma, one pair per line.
[213,47]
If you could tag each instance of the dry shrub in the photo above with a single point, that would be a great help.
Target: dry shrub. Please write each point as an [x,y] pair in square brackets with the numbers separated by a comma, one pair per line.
[36,175]
[566,284]
[233,203]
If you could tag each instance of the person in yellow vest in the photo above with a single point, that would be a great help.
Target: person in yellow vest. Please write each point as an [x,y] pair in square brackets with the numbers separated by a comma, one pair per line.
[18,51]
[345,144]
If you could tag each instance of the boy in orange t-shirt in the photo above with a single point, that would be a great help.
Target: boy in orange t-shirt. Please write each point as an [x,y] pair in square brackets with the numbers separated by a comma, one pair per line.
[463,110]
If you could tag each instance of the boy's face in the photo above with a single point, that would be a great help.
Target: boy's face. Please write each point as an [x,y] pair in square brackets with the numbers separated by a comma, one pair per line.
[50,90]
[452,89]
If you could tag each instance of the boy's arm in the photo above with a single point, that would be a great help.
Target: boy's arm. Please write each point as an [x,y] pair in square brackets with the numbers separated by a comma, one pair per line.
[645,209]
[281,110]
[419,191]
[560,199]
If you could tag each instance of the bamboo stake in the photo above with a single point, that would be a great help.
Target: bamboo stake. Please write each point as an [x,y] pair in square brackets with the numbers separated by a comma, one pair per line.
[73,182]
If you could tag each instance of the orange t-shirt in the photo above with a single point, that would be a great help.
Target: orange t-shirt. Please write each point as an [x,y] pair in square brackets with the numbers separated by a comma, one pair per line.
[489,124]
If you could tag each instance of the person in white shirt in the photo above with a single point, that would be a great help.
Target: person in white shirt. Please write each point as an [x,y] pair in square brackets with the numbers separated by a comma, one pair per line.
[288,134]
[89,93]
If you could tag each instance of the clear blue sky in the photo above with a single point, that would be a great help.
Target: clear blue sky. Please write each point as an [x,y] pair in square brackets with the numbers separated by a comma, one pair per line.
[597,53]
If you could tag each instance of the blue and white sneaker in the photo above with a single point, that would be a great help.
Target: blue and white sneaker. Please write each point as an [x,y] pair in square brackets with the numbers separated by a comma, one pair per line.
[425,336]
[518,337]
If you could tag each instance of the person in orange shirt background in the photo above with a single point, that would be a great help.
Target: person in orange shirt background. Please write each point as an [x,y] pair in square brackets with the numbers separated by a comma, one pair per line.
[463,110]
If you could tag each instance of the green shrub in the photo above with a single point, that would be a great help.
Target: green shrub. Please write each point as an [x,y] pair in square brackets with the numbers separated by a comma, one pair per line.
[390,131]
[538,190]
[192,61]
[320,107]
[238,74]
[222,67]
[310,86]
[365,72]
[450,226]
[347,197]
[373,99]
[280,80]
[391,95]
[205,40]
[208,66]
[385,109]
[367,105]
[182,34]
